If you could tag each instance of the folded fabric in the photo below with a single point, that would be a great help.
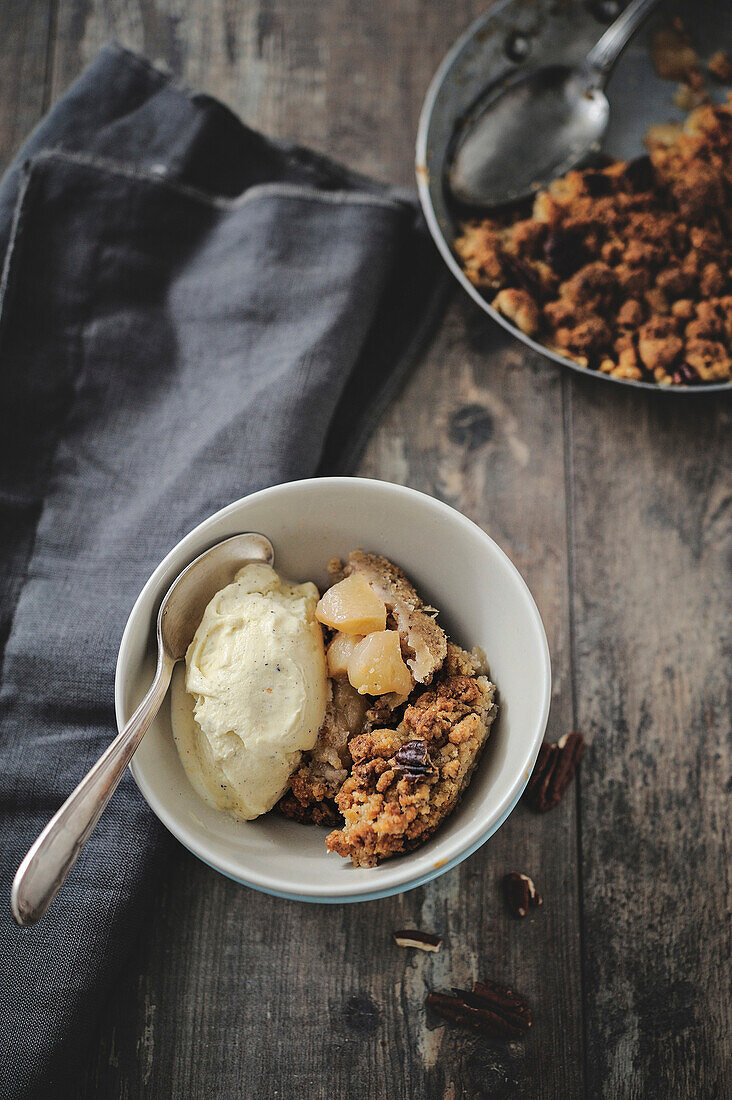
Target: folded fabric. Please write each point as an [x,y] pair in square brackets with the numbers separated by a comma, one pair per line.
[188,312]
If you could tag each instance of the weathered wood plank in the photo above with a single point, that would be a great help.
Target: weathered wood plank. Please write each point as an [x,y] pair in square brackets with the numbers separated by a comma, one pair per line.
[26,42]
[652,520]
[346,78]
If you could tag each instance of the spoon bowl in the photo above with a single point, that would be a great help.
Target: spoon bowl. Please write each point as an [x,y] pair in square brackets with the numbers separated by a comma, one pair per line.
[536,128]
[190,594]
[538,125]
[49,860]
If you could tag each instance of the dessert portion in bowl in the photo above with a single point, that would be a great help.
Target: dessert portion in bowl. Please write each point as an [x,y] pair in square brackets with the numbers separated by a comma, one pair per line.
[353,710]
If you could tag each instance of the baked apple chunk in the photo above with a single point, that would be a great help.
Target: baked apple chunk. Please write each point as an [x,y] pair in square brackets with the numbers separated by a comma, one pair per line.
[352,607]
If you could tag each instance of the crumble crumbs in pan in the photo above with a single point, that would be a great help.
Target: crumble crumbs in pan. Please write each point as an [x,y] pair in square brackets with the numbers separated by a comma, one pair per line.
[626,268]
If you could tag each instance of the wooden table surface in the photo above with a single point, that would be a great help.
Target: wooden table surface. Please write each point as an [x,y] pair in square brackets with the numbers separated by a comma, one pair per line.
[615,505]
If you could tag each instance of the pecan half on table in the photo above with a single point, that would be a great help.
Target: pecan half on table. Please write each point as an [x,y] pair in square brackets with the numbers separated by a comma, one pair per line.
[554,770]
[488,1008]
[520,893]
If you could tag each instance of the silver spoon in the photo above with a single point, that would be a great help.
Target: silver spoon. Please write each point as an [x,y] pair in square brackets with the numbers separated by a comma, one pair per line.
[44,869]
[540,124]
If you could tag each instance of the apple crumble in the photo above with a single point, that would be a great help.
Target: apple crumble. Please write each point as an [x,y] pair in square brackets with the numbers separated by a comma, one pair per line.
[408,717]
[405,781]
[626,268]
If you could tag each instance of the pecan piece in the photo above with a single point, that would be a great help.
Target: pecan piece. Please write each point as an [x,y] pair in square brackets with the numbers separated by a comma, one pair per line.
[521,273]
[489,1008]
[597,184]
[520,893]
[640,173]
[565,251]
[413,760]
[410,937]
[554,770]
[685,375]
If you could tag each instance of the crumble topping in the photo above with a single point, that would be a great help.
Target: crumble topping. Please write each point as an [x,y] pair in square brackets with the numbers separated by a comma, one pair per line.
[720,67]
[626,268]
[406,780]
[672,54]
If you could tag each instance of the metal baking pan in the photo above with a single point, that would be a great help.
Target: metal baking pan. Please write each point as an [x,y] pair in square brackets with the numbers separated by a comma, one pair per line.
[528,33]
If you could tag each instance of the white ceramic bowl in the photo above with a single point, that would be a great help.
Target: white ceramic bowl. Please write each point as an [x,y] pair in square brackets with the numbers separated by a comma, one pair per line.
[483,601]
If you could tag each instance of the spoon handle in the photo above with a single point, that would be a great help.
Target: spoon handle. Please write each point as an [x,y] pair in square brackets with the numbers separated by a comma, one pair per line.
[48,862]
[605,52]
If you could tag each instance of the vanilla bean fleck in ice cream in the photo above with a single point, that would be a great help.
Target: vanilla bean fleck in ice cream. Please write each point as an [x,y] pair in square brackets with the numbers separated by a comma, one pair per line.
[256,673]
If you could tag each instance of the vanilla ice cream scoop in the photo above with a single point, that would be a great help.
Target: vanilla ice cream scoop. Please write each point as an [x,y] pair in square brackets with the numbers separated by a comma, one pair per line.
[257,676]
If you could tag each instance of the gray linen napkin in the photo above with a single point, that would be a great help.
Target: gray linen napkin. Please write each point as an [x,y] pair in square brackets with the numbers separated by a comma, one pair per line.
[188,312]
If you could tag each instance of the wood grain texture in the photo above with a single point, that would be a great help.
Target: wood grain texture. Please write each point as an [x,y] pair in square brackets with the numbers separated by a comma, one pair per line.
[615,506]
[652,527]
[347,78]
[26,48]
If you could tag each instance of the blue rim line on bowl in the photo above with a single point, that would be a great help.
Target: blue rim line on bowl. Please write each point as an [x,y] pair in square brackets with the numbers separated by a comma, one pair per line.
[396,881]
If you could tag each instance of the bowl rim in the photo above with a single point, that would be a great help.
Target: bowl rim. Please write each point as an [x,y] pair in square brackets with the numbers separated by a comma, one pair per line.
[424,190]
[396,878]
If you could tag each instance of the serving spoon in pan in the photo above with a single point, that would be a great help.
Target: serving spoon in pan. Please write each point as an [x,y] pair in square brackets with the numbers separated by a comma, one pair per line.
[533,129]
[45,867]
